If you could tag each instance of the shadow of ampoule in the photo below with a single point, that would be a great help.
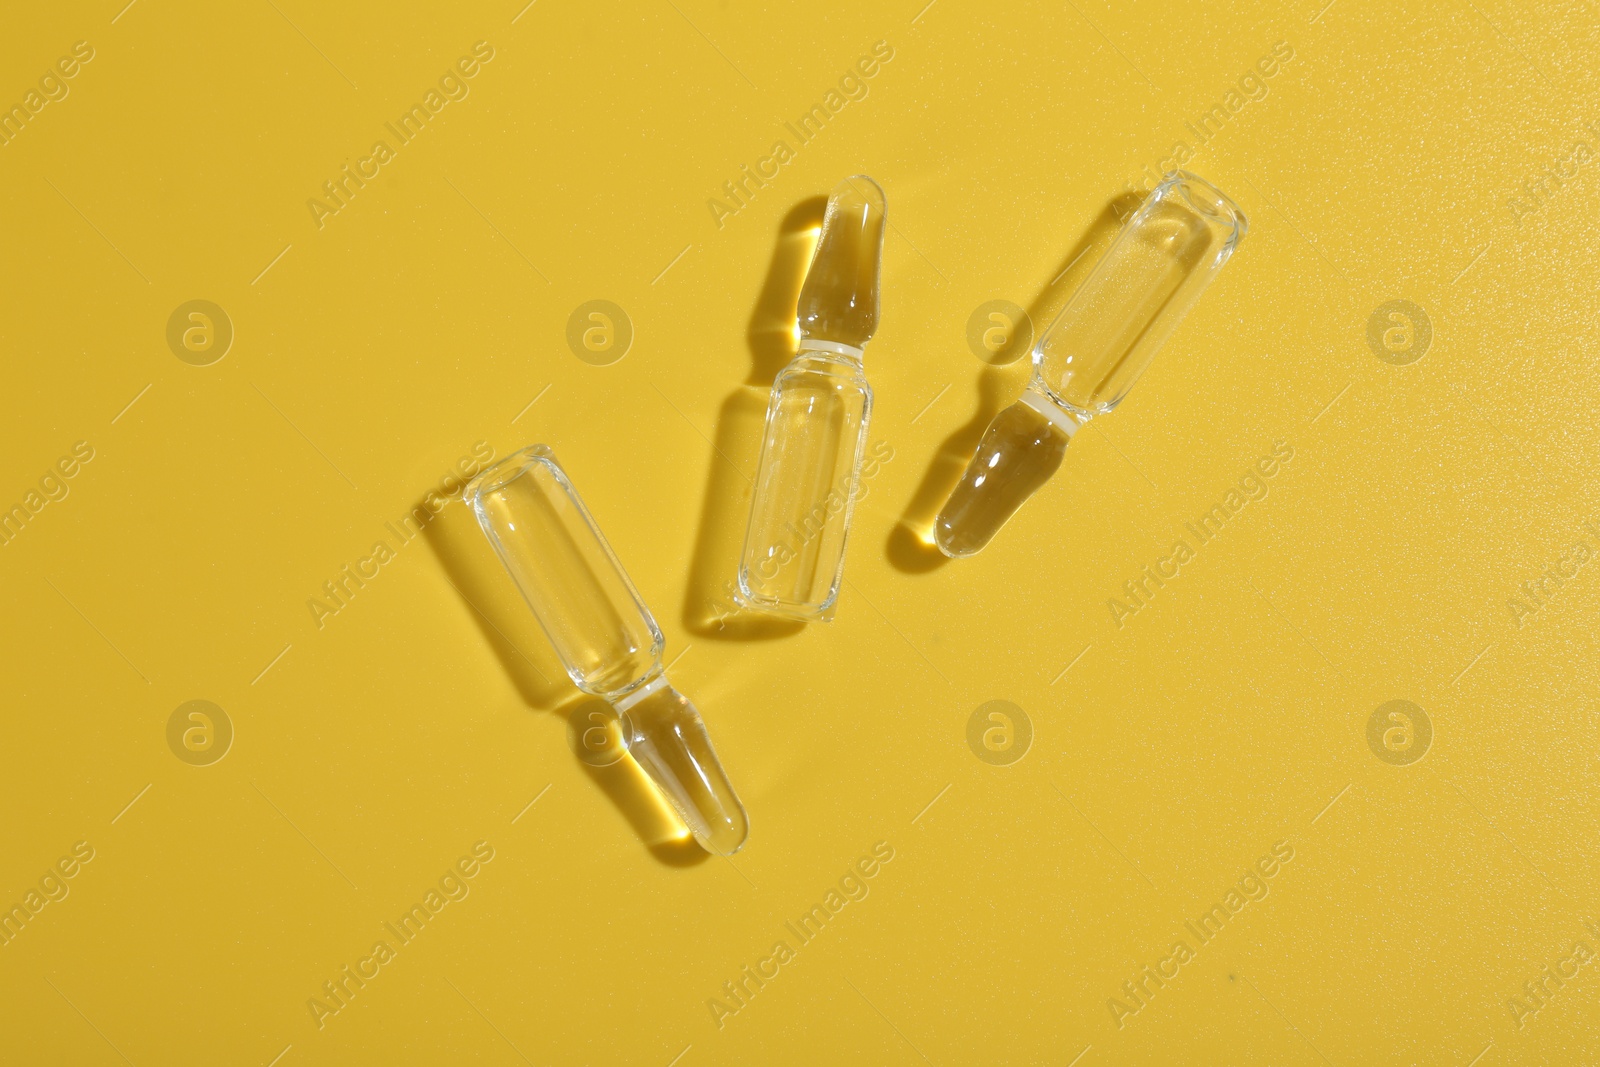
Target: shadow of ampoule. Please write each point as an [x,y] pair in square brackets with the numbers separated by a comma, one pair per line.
[910,548]
[471,567]
[502,616]
[710,609]
[595,734]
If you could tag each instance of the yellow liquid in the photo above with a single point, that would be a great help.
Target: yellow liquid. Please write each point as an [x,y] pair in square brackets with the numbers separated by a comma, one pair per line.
[1019,452]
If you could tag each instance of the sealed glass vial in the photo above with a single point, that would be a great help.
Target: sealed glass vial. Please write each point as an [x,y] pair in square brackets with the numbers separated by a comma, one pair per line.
[605,636]
[1085,363]
[808,477]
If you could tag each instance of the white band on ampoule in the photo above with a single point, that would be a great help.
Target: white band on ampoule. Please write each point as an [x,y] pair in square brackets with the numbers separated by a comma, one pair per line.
[832,346]
[1040,403]
[624,703]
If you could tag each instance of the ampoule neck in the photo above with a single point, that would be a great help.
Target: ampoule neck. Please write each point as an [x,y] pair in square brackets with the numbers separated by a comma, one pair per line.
[653,681]
[1063,415]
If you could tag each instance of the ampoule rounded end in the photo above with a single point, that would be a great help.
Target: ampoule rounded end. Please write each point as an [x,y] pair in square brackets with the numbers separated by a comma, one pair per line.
[955,542]
[1018,453]
[1210,202]
[779,608]
[728,838]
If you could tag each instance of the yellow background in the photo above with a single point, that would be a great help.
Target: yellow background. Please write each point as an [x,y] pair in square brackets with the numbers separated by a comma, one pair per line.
[371,354]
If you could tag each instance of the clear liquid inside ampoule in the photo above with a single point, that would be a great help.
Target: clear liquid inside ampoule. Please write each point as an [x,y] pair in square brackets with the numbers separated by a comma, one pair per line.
[811,454]
[582,598]
[839,299]
[604,634]
[1094,352]
[667,737]
[815,437]
[1113,326]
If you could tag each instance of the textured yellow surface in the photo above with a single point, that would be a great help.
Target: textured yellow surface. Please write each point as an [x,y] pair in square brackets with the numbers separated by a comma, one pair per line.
[1428,539]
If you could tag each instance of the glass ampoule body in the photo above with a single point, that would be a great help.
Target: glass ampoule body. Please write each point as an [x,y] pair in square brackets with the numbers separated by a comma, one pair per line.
[1091,356]
[816,432]
[604,634]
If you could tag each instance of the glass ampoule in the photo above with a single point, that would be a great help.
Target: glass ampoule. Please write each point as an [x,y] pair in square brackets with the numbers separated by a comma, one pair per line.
[1089,358]
[605,636]
[809,475]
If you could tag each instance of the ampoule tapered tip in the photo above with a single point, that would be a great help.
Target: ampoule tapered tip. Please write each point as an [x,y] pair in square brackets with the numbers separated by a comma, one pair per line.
[839,300]
[667,738]
[1019,452]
